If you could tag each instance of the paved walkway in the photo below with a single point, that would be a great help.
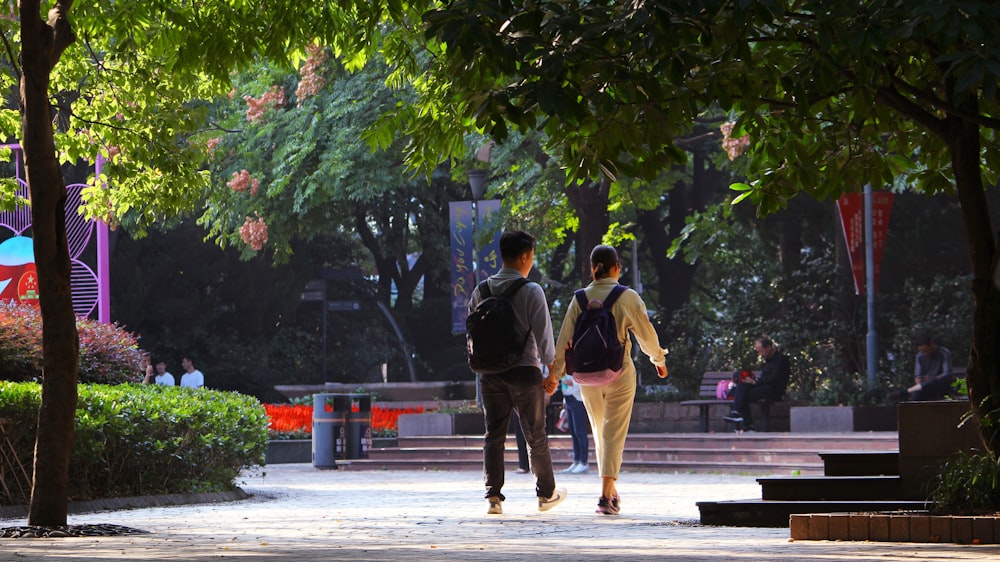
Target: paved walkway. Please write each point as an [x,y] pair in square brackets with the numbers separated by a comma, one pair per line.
[301,513]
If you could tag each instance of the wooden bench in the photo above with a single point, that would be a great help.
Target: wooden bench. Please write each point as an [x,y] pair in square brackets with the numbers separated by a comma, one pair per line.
[707,399]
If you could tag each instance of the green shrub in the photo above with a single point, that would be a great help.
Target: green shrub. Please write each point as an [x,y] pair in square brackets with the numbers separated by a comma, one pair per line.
[109,354]
[969,484]
[851,389]
[140,439]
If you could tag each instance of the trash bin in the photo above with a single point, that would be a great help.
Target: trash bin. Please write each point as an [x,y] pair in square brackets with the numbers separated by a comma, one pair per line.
[359,426]
[329,428]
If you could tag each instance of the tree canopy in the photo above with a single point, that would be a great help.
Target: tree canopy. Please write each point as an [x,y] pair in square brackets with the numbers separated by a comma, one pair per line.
[832,95]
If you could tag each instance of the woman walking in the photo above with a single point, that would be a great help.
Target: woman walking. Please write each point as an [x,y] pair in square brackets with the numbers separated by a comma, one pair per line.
[610,405]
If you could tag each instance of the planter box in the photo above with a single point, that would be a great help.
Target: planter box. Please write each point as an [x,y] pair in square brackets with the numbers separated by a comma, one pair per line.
[820,419]
[284,451]
[931,433]
[417,425]
[472,423]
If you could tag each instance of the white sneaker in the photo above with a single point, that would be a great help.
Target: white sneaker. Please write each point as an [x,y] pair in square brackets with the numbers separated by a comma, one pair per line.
[570,469]
[496,506]
[581,469]
[545,504]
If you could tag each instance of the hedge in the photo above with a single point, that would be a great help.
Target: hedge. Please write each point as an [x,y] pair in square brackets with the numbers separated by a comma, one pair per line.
[137,440]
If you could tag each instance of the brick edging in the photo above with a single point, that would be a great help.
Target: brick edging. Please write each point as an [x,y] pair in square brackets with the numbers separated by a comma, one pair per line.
[896,527]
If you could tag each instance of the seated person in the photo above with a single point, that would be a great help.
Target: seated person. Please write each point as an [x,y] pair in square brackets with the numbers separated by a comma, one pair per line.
[769,385]
[932,376]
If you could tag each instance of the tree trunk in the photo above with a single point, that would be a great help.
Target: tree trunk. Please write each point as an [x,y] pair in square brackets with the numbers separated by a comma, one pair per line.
[42,43]
[590,200]
[983,370]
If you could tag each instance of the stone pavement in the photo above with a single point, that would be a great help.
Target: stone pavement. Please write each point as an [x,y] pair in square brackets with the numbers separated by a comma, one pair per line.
[300,513]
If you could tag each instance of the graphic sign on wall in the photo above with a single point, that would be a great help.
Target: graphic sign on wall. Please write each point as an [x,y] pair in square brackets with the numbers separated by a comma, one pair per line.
[18,281]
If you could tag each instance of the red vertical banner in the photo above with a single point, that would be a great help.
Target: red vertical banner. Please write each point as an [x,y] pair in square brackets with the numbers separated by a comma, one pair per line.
[852,221]
[463,279]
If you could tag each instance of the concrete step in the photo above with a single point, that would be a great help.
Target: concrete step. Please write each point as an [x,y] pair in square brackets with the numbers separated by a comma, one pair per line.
[757,453]
[855,441]
[772,513]
[860,463]
[831,488]
[650,456]
[684,466]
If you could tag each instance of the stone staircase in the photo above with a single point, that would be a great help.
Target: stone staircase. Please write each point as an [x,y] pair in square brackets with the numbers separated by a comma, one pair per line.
[753,453]
[853,481]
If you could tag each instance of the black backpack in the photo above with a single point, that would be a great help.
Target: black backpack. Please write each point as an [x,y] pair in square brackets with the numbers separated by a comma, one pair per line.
[595,356]
[490,333]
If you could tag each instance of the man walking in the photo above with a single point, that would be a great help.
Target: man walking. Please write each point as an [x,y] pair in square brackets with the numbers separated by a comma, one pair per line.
[519,388]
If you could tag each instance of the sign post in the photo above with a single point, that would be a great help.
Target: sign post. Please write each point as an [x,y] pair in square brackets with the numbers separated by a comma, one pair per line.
[865,220]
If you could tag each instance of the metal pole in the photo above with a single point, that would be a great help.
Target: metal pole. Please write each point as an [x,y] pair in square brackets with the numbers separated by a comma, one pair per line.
[324,331]
[475,269]
[103,259]
[636,280]
[870,287]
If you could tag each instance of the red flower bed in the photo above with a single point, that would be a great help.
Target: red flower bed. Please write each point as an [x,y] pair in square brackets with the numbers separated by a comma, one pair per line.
[296,419]
[289,418]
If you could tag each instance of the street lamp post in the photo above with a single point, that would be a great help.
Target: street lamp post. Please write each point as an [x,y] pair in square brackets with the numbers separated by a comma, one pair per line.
[477,183]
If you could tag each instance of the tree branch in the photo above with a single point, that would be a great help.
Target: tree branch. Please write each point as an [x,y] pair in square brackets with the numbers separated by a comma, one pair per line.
[908,107]
[62,30]
[978,119]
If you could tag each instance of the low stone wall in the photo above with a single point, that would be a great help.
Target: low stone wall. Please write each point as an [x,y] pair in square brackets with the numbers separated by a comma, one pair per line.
[672,417]
[896,527]
[282,451]
[390,392]
[820,419]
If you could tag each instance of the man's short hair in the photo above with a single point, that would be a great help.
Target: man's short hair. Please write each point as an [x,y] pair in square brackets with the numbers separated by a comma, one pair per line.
[765,342]
[924,339]
[515,243]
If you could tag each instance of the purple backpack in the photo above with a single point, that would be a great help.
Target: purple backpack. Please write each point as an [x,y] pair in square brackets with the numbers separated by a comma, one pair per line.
[595,355]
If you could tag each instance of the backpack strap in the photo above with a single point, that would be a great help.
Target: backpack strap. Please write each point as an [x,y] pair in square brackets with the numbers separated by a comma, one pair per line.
[485,292]
[484,289]
[514,287]
[616,291]
[613,295]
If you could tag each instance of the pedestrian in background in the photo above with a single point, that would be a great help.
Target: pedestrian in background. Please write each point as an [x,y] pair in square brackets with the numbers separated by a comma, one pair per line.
[192,378]
[579,423]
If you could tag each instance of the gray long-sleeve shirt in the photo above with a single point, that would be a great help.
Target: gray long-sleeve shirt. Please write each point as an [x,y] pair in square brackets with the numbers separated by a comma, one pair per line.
[531,311]
[932,364]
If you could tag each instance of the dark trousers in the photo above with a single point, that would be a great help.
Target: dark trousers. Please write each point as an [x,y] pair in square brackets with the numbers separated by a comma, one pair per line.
[578,425]
[517,390]
[935,389]
[522,443]
[745,393]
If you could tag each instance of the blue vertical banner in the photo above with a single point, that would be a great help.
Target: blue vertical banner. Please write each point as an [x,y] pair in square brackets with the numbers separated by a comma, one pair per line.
[489,261]
[463,279]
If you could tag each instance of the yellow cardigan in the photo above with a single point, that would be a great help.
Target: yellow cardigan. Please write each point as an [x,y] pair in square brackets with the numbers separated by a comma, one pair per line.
[630,315]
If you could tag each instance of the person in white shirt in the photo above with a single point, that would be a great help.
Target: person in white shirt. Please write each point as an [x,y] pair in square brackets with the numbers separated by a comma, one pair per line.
[162,376]
[192,377]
